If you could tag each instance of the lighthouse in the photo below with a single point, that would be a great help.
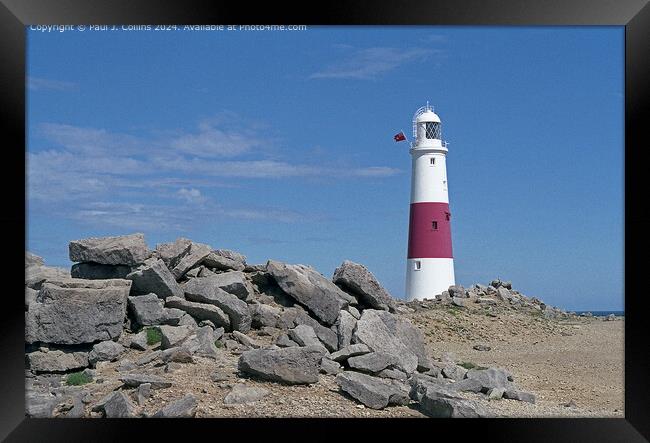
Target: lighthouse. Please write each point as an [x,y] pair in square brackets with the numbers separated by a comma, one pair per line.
[430,263]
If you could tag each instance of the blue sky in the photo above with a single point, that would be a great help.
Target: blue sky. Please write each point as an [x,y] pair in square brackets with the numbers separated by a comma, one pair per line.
[279,145]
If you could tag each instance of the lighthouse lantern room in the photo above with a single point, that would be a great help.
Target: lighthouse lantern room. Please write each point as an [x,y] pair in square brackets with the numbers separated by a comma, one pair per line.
[430,263]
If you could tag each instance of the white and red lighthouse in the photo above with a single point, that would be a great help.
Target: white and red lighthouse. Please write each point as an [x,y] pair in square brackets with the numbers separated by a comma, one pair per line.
[430,263]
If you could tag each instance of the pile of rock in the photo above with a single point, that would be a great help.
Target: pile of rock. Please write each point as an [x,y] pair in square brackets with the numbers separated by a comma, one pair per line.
[203,301]
[497,293]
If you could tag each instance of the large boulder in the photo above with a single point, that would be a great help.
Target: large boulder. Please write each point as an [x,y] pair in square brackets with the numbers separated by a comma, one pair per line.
[233,282]
[36,275]
[192,258]
[207,290]
[200,311]
[264,315]
[115,405]
[33,259]
[149,310]
[123,250]
[56,361]
[376,393]
[135,379]
[173,336]
[356,279]
[97,271]
[373,332]
[309,288]
[171,253]
[294,365]
[154,277]
[75,311]
[408,334]
[350,351]
[224,260]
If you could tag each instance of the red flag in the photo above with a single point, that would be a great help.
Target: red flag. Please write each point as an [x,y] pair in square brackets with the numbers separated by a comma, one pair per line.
[399,137]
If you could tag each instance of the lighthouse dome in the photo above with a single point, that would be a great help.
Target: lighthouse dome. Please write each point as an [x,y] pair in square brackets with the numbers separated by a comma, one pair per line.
[428,116]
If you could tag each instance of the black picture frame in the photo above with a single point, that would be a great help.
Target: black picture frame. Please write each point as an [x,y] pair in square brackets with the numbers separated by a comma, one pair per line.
[633,14]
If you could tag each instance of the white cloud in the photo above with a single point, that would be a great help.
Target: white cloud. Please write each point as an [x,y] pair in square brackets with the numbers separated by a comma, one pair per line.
[40,84]
[192,196]
[369,63]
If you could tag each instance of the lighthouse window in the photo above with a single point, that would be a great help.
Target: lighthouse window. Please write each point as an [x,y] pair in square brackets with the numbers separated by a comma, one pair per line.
[417,265]
[432,130]
[434,225]
[432,160]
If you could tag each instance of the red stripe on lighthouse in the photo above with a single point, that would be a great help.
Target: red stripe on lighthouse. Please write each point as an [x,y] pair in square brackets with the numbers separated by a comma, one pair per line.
[426,238]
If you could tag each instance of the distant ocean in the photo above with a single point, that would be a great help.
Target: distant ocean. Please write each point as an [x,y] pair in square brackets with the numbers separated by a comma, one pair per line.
[603,313]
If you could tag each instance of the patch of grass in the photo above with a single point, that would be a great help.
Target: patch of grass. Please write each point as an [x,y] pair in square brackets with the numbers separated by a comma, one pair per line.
[78,378]
[153,336]
[469,365]
[218,344]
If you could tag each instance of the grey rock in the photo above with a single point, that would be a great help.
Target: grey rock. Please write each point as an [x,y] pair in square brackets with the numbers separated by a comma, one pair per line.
[126,365]
[233,282]
[354,312]
[457,301]
[456,291]
[309,288]
[345,327]
[97,271]
[56,361]
[33,260]
[395,374]
[350,351]
[30,296]
[116,405]
[481,347]
[224,259]
[486,300]
[171,253]
[490,378]
[39,404]
[147,310]
[195,272]
[185,407]
[153,276]
[305,336]
[437,399]
[284,341]
[454,372]
[200,311]
[515,394]
[135,380]
[75,311]
[374,392]
[373,332]
[205,338]
[373,362]
[173,336]
[174,317]
[36,275]
[326,335]
[178,354]
[194,256]
[207,290]
[123,250]
[105,351]
[148,358]
[264,315]
[330,367]
[356,279]
[187,320]
[241,394]
[468,385]
[295,365]
[409,335]
[504,294]
[143,393]
[495,393]
[245,340]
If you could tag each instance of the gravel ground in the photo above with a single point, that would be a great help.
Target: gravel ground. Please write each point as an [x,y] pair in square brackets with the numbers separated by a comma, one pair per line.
[557,360]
